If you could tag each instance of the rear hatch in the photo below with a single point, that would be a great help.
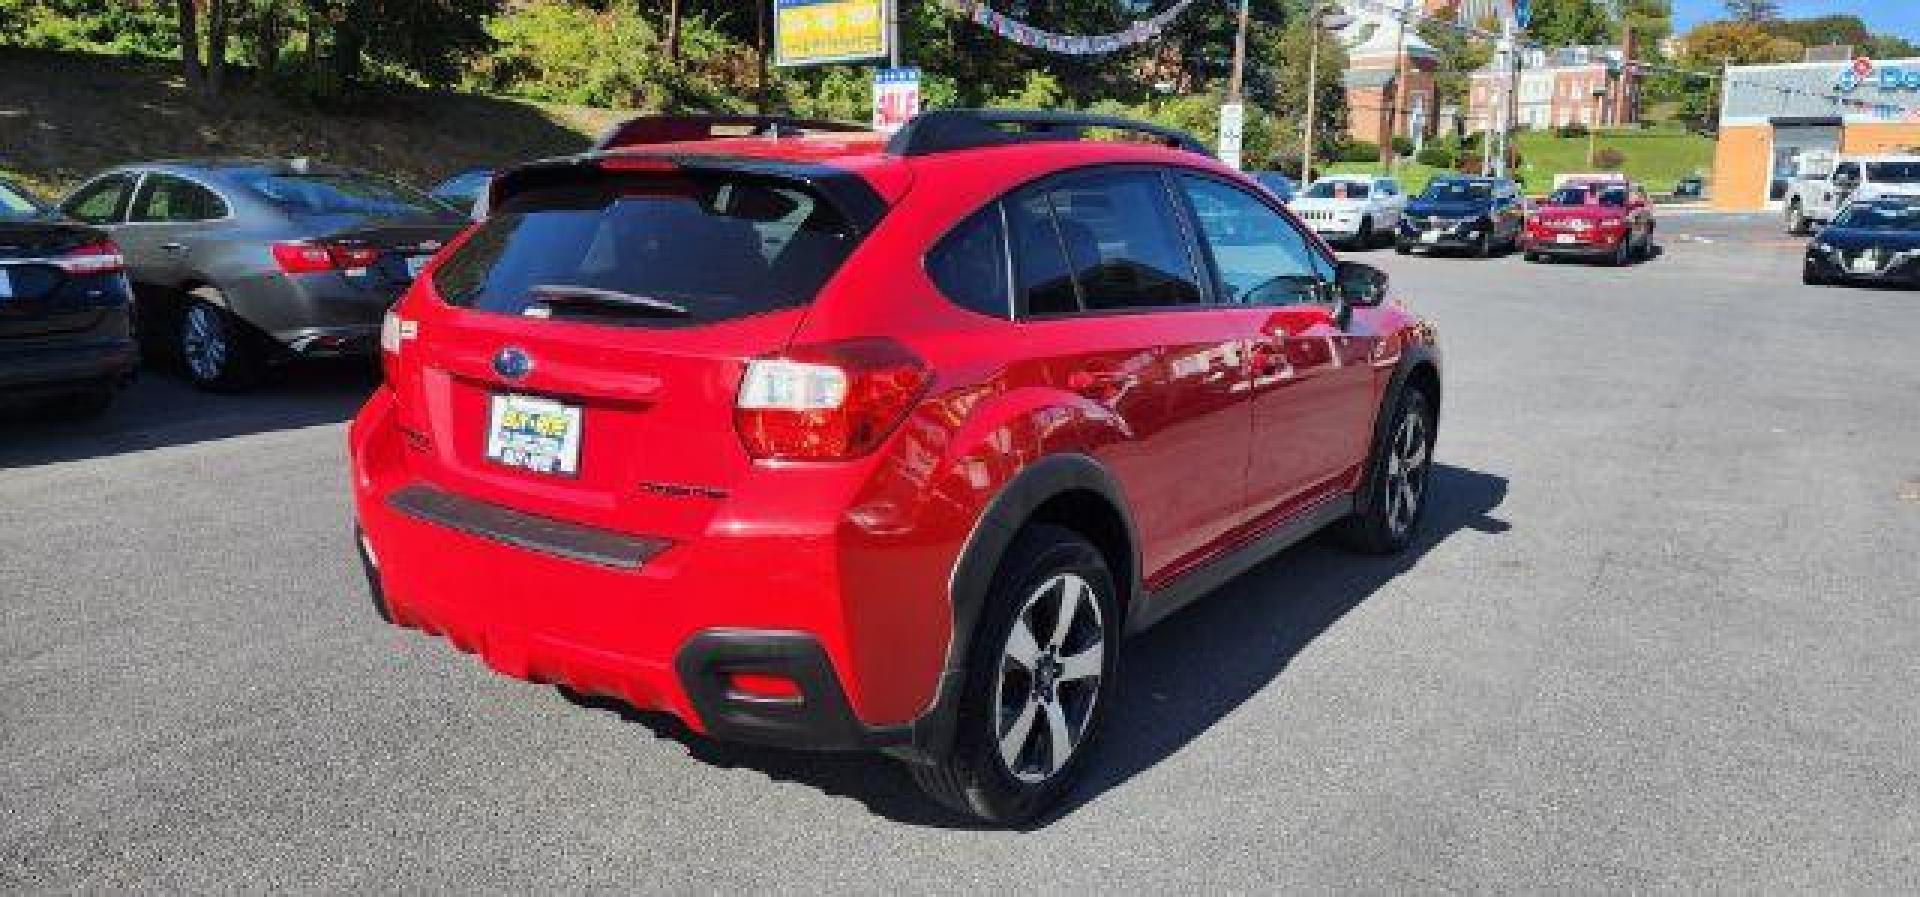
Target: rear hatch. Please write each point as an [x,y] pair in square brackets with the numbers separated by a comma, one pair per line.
[577,355]
[46,289]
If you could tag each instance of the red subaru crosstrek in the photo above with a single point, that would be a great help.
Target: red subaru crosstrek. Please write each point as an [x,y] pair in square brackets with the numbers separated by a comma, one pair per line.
[833,441]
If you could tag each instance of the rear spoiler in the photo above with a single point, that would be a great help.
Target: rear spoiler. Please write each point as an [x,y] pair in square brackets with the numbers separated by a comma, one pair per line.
[648,129]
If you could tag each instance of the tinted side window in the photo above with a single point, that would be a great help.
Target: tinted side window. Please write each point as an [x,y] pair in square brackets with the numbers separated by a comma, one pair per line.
[1123,241]
[1259,256]
[100,202]
[969,264]
[1040,275]
[171,199]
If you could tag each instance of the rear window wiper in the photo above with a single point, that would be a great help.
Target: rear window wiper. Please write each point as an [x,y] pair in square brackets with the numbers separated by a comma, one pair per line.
[557,294]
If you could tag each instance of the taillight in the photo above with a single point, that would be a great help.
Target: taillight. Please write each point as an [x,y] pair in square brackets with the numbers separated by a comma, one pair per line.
[395,331]
[312,257]
[93,258]
[828,402]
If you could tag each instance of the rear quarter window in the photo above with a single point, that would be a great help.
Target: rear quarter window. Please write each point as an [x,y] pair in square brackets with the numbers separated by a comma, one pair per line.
[715,246]
[969,264]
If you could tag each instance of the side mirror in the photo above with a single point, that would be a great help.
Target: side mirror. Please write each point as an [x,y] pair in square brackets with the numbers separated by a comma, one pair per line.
[1361,285]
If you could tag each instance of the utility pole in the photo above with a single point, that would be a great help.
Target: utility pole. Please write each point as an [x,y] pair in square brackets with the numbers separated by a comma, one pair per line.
[1235,81]
[1317,25]
[1387,155]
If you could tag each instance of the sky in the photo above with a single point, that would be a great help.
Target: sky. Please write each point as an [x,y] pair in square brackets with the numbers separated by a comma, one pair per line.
[1900,17]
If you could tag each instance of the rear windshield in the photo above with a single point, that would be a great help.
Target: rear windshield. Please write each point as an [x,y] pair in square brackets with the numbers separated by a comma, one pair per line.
[339,194]
[1337,190]
[651,250]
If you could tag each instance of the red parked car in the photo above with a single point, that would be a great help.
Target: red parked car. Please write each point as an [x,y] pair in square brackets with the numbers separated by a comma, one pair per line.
[829,441]
[1608,219]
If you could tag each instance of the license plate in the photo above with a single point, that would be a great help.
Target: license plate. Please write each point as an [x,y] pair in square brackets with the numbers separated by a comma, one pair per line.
[1866,264]
[417,262]
[1432,236]
[1566,238]
[6,284]
[534,433]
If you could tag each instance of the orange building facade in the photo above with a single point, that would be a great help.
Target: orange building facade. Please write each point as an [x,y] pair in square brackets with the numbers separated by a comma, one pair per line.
[1771,115]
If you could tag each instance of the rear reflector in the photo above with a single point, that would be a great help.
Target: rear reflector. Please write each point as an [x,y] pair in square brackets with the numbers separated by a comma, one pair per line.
[763,686]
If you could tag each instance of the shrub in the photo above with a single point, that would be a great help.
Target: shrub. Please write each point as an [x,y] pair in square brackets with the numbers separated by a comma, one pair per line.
[1609,159]
[1437,155]
[1403,146]
[1571,130]
[1359,151]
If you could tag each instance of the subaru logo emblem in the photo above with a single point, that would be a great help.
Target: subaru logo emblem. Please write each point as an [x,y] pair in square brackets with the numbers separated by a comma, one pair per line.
[512,363]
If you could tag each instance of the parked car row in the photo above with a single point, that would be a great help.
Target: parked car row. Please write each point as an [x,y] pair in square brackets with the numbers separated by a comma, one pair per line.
[1599,217]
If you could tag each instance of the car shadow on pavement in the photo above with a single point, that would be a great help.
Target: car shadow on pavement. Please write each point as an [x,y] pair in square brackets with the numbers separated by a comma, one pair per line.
[1176,680]
[162,409]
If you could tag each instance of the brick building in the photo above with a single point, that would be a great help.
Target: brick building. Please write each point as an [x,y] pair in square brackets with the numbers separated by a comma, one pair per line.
[1564,86]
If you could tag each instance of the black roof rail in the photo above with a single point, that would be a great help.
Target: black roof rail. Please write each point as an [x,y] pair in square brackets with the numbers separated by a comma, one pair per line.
[945,130]
[675,128]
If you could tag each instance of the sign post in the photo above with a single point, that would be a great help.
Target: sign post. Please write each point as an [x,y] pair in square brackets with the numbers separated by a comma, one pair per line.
[896,98]
[1233,121]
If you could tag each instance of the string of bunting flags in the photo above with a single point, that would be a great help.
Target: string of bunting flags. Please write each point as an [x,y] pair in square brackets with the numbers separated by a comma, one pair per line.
[1009,28]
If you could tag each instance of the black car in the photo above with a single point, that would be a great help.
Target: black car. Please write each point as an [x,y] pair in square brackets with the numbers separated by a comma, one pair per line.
[1877,241]
[66,310]
[245,263]
[1480,215]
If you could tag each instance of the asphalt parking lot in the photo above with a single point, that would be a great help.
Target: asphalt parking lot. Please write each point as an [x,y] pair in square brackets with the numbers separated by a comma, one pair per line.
[1663,631]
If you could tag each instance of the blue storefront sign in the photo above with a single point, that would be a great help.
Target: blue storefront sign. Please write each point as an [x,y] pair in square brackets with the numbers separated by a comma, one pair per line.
[1885,77]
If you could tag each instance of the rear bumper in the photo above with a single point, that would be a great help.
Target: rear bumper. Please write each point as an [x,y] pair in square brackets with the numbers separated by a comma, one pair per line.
[317,315]
[660,626]
[54,365]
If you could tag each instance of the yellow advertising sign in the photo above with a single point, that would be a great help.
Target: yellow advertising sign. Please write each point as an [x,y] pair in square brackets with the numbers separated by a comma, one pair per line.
[809,32]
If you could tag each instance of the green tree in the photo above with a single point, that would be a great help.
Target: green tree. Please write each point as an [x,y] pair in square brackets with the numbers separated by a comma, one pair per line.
[1564,23]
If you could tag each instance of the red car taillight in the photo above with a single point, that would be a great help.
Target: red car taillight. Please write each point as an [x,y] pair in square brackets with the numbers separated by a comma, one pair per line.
[829,402]
[308,257]
[93,258]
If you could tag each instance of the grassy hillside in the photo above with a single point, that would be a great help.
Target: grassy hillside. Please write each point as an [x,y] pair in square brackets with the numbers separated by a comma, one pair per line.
[64,116]
[1656,158]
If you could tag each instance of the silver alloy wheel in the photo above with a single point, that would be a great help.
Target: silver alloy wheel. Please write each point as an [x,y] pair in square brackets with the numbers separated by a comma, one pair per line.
[1407,459]
[1046,690]
[204,342]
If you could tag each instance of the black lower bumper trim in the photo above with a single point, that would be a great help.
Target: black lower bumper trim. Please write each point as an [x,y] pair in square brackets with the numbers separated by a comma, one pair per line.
[522,530]
[818,719]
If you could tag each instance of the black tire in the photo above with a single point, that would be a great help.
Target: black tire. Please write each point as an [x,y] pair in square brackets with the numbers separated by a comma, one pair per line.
[1531,256]
[1811,277]
[217,350]
[973,778]
[1796,219]
[1363,238]
[1623,253]
[1483,246]
[1382,525]
[1402,247]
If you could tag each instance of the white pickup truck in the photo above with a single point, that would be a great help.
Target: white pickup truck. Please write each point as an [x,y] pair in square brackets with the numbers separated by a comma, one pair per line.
[1825,184]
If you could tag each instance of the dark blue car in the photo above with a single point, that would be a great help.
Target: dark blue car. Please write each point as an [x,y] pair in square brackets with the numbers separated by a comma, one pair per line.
[1480,215]
[1876,241]
[66,329]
